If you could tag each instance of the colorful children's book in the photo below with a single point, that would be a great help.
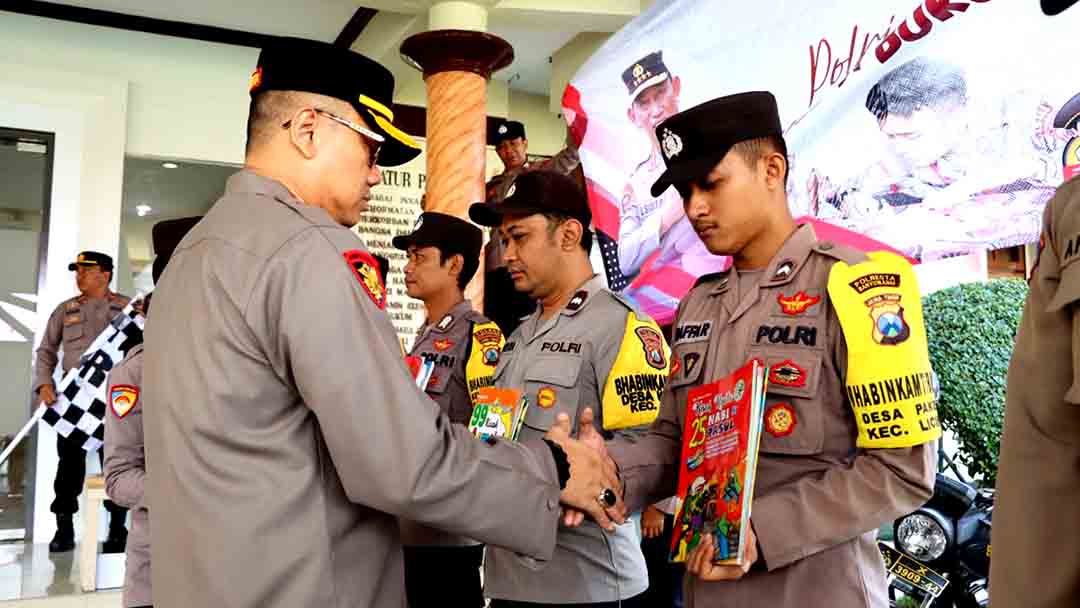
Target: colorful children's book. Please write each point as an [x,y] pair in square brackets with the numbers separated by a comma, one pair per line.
[719,459]
[498,412]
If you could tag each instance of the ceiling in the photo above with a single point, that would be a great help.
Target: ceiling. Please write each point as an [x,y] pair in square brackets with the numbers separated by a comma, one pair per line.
[535,28]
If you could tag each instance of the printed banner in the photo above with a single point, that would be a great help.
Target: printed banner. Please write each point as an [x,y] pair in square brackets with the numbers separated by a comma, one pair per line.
[79,411]
[936,127]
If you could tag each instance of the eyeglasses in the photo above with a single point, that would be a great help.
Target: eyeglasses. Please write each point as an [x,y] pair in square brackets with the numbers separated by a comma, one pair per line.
[373,139]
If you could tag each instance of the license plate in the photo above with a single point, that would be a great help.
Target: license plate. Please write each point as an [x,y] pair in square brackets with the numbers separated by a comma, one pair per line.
[911,572]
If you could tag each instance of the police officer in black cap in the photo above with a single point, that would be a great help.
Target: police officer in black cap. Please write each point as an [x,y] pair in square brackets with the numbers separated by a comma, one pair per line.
[74,326]
[444,252]
[284,434]
[826,479]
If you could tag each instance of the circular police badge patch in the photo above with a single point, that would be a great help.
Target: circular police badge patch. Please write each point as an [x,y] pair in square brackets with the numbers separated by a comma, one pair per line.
[546,397]
[780,420]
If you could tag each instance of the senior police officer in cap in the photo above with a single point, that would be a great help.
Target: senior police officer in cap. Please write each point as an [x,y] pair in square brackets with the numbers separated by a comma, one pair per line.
[584,348]
[72,327]
[444,253]
[125,456]
[849,418]
[1036,526]
[285,434]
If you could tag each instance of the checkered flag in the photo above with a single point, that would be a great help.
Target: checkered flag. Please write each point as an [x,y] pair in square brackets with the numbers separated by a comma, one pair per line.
[79,411]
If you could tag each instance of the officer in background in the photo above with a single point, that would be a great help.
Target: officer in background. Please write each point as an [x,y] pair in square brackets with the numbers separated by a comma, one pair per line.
[849,420]
[1038,484]
[74,325]
[444,252]
[285,435]
[583,348]
[125,457]
[502,303]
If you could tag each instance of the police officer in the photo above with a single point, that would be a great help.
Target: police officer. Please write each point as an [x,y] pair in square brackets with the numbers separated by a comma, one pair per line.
[125,457]
[285,435]
[74,325]
[849,415]
[444,253]
[1038,482]
[583,348]
[649,223]
[502,303]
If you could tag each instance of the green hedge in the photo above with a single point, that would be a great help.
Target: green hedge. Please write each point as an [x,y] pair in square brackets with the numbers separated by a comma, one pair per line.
[971,330]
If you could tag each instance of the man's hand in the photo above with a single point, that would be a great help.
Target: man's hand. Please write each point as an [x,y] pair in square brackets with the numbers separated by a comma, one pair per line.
[700,561]
[652,522]
[590,475]
[47,394]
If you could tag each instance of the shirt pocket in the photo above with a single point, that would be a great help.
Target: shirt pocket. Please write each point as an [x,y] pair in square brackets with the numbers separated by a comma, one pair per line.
[73,333]
[551,385]
[793,421]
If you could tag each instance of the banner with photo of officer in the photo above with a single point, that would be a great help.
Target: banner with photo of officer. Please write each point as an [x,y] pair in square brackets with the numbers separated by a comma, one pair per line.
[938,128]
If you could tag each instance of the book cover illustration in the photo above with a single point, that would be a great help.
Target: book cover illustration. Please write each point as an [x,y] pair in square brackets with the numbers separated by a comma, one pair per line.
[498,412]
[719,459]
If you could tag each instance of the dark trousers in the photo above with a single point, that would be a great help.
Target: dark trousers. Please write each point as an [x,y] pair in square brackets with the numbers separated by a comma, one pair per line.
[443,576]
[502,303]
[665,578]
[635,602]
[70,477]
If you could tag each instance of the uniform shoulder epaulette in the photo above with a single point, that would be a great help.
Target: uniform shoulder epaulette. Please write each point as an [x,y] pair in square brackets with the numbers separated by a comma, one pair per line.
[621,299]
[843,253]
[709,278]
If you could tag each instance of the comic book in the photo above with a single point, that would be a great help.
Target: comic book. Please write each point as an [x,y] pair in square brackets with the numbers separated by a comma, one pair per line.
[498,412]
[719,459]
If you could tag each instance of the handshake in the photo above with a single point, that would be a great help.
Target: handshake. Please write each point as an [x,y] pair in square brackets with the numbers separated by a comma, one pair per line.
[593,488]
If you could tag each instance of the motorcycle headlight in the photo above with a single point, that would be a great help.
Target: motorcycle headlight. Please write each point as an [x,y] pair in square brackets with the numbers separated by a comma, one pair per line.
[922,537]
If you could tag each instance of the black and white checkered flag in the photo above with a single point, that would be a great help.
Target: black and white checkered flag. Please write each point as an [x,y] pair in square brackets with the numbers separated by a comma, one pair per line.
[79,411]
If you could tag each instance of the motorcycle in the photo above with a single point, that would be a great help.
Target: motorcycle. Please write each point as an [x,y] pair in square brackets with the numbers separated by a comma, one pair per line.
[941,557]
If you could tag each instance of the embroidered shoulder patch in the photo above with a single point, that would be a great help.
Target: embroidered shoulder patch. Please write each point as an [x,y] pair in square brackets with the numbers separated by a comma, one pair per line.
[123,398]
[365,269]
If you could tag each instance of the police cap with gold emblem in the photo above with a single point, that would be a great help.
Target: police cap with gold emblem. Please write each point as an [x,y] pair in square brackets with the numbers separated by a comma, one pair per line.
[646,72]
[92,258]
[692,142]
[536,192]
[450,234]
[294,64]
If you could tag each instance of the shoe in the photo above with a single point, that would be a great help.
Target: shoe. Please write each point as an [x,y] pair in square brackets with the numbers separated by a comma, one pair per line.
[64,539]
[116,542]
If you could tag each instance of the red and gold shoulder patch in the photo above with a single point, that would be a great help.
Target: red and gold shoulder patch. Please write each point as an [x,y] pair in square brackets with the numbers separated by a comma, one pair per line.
[796,304]
[365,269]
[546,397]
[780,420]
[443,345]
[676,365]
[653,345]
[788,373]
[123,398]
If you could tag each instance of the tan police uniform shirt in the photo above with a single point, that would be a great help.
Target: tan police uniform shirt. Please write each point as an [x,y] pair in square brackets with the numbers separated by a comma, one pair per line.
[448,342]
[286,433]
[819,500]
[125,475]
[562,365]
[74,325]
[1037,507]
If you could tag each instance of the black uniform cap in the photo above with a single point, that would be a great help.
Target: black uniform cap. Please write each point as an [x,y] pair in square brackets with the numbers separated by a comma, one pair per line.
[692,142]
[448,233]
[1053,7]
[646,72]
[294,64]
[510,129]
[92,258]
[536,192]
[1068,117]
[166,236]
